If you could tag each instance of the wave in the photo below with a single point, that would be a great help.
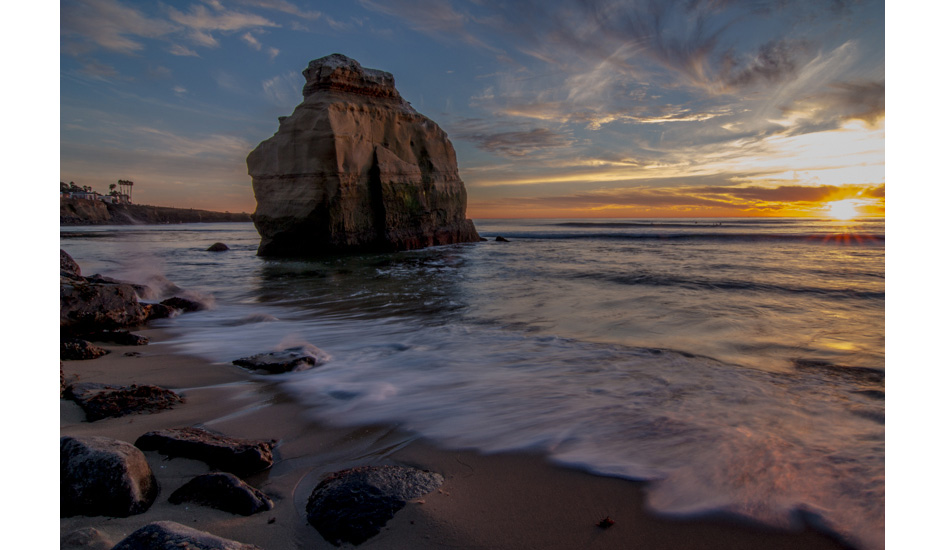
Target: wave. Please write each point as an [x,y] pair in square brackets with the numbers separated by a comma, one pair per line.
[729,285]
[814,238]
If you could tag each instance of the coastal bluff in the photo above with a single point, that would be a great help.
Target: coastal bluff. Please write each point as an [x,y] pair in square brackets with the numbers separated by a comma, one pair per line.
[93,212]
[355,168]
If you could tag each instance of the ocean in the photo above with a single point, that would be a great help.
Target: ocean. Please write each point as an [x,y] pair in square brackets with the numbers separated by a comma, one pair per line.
[736,364]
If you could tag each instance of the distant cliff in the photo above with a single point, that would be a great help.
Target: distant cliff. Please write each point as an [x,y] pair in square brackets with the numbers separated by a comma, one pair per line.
[93,212]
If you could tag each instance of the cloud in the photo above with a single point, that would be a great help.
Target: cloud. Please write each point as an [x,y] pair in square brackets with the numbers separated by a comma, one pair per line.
[840,102]
[517,143]
[251,41]
[179,90]
[107,24]
[202,22]
[272,53]
[435,18]
[282,6]
[284,90]
[178,49]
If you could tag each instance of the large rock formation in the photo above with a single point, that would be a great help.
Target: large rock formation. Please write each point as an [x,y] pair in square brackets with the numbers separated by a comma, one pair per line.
[356,168]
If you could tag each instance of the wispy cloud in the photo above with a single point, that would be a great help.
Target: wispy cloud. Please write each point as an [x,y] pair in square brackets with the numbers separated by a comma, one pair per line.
[107,24]
[251,41]
[515,143]
[282,6]
[202,22]
[284,90]
[179,50]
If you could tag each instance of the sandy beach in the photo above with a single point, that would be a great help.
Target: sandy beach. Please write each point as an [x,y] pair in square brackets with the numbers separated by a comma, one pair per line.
[487,501]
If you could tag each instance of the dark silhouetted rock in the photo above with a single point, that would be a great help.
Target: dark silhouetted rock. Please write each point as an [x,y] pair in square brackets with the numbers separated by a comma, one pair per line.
[218,247]
[184,304]
[87,538]
[68,266]
[76,349]
[100,476]
[121,337]
[501,239]
[223,491]
[231,454]
[94,306]
[355,168]
[291,359]
[100,401]
[158,311]
[168,535]
[353,505]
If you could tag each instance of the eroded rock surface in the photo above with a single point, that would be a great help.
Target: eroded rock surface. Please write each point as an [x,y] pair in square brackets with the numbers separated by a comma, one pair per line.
[353,505]
[356,168]
[231,454]
[100,401]
[168,535]
[291,359]
[100,476]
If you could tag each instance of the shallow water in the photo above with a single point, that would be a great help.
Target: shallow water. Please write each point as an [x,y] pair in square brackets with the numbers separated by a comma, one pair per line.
[738,363]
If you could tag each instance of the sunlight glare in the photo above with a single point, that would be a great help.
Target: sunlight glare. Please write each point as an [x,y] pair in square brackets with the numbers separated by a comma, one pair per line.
[844,209]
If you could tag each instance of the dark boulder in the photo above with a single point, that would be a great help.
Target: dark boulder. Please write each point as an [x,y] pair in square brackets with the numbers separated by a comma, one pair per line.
[77,349]
[231,454]
[158,311]
[223,491]
[100,476]
[218,247]
[291,359]
[100,401]
[168,535]
[501,239]
[353,505]
[87,306]
[184,304]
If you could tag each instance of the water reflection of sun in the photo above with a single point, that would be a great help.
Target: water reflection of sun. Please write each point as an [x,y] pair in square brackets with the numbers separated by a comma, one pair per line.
[846,209]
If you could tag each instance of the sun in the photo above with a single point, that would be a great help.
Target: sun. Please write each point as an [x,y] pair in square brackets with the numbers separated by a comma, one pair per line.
[844,209]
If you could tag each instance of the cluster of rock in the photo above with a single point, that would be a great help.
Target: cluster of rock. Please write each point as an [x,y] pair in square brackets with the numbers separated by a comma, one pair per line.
[356,168]
[101,476]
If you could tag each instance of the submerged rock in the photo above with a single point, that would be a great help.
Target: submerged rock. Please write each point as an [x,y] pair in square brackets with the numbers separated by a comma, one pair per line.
[100,401]
[100,476]
[223,491]
[184,304]
[167,535]
[353,505]
[356,168]
[231,454]
[218,247]
[291,359]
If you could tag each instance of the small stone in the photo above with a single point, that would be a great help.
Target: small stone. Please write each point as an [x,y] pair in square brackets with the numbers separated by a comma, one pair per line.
[291,359]
[223,491]
[501,239]
[75,349]
[162,535]
[218,247]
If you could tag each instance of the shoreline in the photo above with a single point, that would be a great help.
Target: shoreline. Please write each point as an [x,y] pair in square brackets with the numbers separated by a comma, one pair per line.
[508,500]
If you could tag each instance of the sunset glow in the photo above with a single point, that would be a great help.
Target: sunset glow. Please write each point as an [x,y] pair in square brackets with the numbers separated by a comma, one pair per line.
[565,109]
[844,210]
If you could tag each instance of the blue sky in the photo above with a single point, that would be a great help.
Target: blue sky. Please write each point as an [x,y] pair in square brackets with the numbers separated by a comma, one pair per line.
[555,108]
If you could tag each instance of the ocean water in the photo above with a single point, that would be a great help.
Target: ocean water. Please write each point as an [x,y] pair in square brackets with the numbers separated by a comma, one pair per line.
[736,364]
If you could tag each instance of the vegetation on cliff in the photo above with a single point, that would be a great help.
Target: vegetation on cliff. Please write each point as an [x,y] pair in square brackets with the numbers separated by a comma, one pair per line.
[94,212]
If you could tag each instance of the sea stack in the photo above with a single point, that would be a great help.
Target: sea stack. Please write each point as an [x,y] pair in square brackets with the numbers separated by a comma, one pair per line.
[355,168]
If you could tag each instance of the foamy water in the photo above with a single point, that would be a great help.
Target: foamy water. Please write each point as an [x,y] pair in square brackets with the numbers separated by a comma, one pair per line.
[738,366]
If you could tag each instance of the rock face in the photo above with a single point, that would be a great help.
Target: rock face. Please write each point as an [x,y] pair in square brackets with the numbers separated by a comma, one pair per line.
[166,535]
[99,476]
[100,401]
[353,505]
[291,359]
[91,304]
[356,168]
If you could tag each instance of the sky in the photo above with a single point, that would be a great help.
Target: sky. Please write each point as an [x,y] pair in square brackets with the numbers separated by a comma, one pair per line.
[556,108]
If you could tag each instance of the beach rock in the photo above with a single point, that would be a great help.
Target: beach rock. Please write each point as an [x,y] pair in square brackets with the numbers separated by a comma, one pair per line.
[100,401]
[218,247]
[184,304]
[355,168]
[168,535]
[353,505]
[291,359]
[158,311]
[121,337]
[77,349]
[100,476]
[91,305]
[238,456]
[67,265]
[501,239]
[223,491]
[87,538]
